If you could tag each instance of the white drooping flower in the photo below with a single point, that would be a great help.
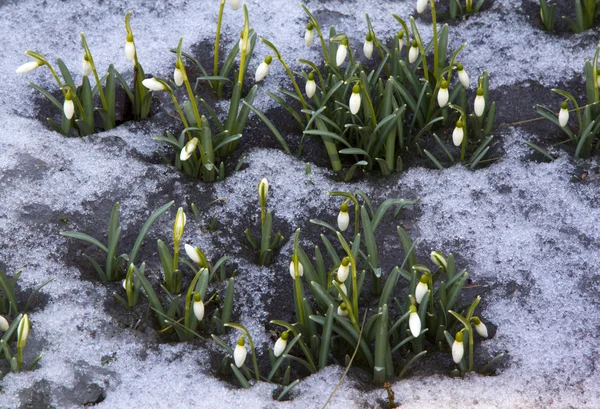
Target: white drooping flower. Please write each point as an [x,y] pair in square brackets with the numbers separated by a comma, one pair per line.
[263,69]
[463,77]
[563,115]
[192,253]
[458,348]
[342,310]
[179,225]
[309,34]
[343,218]
[293,270]
[198,307]
[239,354]
[368,46]
[439,259]
[443,94]
[311,85]
[458,134]
[188,149]
[280,344]
[69,106]
[422,288]
[344,290]
[480,327]
[28,66]
[86,66]
[153,84]
[129,48]
[414,322]
[479,105]
[3,324]
[421,4]
[234,4]
[23,331]
[342,50]
[355,99]
[400,40]
[343,270]
[178,75]
[413,53]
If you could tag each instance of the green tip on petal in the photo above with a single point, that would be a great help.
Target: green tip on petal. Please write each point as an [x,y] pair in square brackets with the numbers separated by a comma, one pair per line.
[356,89]
[424,278]
[268,59]
[400,35]
[444,84]
[369,37]
[459,336]
[346,261]
[459,124]
[480,92]
[413,309]
[311,76]
[344,206]
[129,37]
[415,43]
[241,342]
[459,66]
[345,41]
[476,320]
[197,297]
[284,335]
[565,105]
[310,26]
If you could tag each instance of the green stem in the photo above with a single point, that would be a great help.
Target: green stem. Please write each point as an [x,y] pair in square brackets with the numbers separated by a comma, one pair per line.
[370,103]
[89,54]
[218,39]
[435,39]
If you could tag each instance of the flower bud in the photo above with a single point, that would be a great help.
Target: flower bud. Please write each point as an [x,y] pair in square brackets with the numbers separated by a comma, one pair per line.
[368,46]
[153,84]
[480,327]
[421,4]
[443,95]
[263,191]
[3,324]
[188,149]
[563,115]
[23,332]
[343,270]
[68,106]
[343,217]
[400,40]
[193,253]
[342,310]
[178,75]
[129,48]
[309,35]
[344,290]
[439,259]
[239,354]
[280,344]
[311,86]
[86,66]
[458,134]
[479,102]
[414,322]
[458,348]
[198,307]
[263,69]
[28,66]
[293,270]
[413,53]
[342,50]
[179,225]
[422,288]
[355,99]
[463,77]
[234,4]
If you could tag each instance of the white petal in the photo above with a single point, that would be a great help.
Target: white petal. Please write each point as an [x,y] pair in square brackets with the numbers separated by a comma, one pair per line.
[129,50]
[153,85]
[481,330]
[192,253]
[400,44]
[261,71]
[23,331]
[28,66]
[457,136]
[355,103]
[414,323]
[458,350]
[199,310]
[279,347]
[368,49]
[239,355]
[413,53]
[420,291]
[343,272]
[309,37]
[563,117]
[442,97]
[69,108]
[3,324]
[463,77]
[343,219]
[342,313]
[479,105]
[311,88]
[341,54]
[178,77]
[421,4]
[86,67]
[234,4]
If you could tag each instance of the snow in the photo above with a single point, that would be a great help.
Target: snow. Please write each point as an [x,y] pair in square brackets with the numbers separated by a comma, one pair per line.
[524,229]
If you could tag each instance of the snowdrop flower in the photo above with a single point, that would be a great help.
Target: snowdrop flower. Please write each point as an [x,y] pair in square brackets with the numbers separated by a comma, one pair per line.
[479,102]
[188,149]
[414,322]
[193,253]
[458,348]
[239,354]
[178,75]
[400,40]
[421,4]
[243,44]
[343,217]
[198,307]
[23,332]
[234,4]
[342,50]
[439,259]
[443,95]
[342,310]
[344,290]
[355,99]
[563,115]
[3,324]
[263,69]
[28,66]
[86,66]
[311,86]
[480,327]
[263,191]
[309,35]
[293,270]
[343,270]
[68,106]
[129,48]
[280,344]
[368,46]
[458,134]
[179,225]
[154,85]
[413,53]
[463,77]
[422,288]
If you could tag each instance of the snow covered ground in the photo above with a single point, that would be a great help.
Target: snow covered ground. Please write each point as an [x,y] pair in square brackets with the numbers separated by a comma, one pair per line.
[527,230]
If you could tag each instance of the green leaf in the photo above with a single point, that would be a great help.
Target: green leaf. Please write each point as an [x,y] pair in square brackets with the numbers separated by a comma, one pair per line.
[84,237]
[145,228]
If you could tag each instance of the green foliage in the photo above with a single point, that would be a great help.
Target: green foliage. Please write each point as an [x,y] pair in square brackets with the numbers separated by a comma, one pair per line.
[548,14]
[456,7]
[585,15]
